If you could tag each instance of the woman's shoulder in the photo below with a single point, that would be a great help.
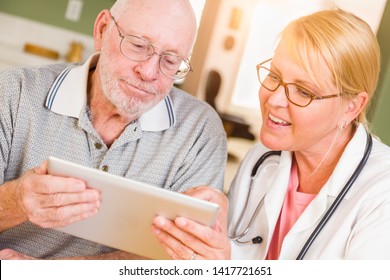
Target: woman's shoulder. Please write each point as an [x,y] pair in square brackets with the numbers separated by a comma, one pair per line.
[380,152]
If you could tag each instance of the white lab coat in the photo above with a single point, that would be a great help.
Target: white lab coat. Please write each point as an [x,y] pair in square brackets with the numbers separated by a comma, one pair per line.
[359,228]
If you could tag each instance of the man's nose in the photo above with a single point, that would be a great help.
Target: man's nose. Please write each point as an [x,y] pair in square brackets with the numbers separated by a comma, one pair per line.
[150,68]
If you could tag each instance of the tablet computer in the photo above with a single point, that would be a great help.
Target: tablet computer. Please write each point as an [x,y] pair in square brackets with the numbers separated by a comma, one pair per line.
[128,208]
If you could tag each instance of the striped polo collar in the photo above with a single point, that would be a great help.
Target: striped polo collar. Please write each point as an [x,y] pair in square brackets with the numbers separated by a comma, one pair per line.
[67,96]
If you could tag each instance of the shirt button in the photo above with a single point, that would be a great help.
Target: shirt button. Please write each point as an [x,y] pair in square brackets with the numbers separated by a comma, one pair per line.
[98,145]
[105,168]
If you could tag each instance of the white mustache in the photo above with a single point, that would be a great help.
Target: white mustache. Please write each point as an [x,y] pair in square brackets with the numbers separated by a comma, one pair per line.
[142,86]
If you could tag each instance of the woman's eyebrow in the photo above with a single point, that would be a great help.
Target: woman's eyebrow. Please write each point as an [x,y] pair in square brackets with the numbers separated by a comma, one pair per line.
[310,85]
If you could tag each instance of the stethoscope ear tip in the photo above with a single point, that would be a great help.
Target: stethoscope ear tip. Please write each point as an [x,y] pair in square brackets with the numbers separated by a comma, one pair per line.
[257,240]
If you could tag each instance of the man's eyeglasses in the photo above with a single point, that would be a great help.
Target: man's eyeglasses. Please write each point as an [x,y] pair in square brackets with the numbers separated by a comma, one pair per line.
[138,49]
[296,94]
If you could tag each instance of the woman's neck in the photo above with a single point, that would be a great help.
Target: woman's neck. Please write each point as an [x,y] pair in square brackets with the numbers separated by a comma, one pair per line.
[315,168]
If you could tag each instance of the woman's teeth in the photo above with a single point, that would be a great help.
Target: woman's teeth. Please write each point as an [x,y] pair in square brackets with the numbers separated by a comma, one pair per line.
[276,120]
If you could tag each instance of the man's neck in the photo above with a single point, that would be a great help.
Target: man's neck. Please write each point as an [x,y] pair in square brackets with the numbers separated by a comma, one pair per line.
[105,117]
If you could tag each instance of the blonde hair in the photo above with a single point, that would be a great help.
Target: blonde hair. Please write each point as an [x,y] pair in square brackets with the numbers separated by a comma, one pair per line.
[338,47]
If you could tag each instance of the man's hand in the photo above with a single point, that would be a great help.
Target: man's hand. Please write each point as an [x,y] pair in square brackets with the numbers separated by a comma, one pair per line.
[9,254]
[45,200]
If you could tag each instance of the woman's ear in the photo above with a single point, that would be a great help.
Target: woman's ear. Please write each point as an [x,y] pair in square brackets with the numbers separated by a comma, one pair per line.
[355,106]
[101,24]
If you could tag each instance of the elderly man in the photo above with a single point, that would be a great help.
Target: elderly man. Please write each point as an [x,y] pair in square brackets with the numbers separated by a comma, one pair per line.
[118,112]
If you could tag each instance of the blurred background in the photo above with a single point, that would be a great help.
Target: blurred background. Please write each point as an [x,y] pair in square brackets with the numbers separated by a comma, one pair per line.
[233,36]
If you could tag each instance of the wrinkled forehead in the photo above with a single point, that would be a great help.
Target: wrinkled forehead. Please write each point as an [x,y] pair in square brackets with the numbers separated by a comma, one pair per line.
[171,27]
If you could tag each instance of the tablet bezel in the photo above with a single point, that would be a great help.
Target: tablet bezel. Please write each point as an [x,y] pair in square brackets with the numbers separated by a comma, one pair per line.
[127,209]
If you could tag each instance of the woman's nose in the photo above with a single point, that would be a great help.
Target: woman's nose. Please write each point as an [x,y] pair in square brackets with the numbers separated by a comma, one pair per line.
[278,98]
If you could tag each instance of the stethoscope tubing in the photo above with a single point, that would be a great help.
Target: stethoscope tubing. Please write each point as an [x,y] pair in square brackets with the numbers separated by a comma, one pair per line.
[236,237]
[328,214]
[339,198]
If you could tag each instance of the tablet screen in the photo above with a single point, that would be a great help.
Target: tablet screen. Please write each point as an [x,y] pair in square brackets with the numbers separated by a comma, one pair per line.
[128,208]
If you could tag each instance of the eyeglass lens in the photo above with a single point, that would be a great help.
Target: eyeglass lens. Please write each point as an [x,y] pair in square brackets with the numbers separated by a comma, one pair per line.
[294,93]
[138,49]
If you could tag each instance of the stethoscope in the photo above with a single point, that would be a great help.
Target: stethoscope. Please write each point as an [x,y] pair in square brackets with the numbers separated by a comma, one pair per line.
[237,237]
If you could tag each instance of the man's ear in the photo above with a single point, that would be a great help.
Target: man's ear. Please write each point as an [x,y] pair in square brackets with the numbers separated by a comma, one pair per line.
[101,24]
[355,106]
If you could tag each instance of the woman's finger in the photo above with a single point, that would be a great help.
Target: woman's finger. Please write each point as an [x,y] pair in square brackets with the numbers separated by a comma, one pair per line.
[173,246]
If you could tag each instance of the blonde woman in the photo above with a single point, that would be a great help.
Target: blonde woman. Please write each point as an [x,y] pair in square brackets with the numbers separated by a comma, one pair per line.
[327,194]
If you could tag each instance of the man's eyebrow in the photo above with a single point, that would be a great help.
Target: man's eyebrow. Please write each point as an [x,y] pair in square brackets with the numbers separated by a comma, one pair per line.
[154,42]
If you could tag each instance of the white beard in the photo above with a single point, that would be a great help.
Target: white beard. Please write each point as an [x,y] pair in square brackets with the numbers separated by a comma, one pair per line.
[127,104]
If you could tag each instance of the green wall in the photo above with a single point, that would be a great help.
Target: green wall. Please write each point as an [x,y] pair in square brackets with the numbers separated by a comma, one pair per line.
[380,110]
[53,12]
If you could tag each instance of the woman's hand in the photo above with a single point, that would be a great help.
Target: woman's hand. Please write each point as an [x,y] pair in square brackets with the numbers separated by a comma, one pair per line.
[189,240]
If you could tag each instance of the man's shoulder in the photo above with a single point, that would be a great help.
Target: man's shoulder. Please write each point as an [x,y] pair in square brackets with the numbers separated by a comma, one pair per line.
[179,94]
[17,84]
[189,108]
[41,73]
[183,100]
[56,67]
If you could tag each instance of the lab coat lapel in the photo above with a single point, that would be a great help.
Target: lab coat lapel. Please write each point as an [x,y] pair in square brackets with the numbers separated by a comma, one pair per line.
[309,219]
[312,214]
[303,228]
[343,171]
[273,200]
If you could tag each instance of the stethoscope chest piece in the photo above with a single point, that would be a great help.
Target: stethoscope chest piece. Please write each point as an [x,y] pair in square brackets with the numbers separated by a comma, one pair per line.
[236,236]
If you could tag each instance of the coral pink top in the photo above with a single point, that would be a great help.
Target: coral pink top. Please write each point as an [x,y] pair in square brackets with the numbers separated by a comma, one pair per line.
[294,204]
